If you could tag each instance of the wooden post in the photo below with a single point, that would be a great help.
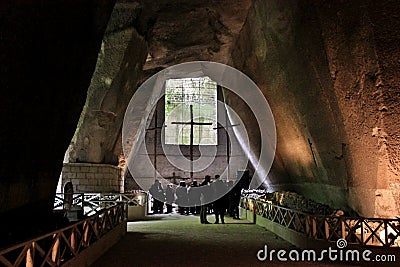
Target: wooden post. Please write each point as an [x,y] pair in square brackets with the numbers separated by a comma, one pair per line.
[344,231]
[85,233]
[72,241]
[29,257]
[327,230]
[314,227]
[54,250]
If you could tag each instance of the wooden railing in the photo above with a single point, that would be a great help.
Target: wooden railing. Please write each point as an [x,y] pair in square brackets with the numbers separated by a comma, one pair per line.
[60,246]
[92,203]
[357,231]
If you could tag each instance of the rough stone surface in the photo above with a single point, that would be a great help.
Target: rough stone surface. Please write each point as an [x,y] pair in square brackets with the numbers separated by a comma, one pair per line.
[181,31]
[118,72]
[329,69]
[329,75]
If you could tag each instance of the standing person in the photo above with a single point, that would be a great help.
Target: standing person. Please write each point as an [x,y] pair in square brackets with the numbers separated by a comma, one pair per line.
[219,190]
[236,194]
[229,197]
[182,197]
[158,195]
[170,197]
[204,198]
[194,198]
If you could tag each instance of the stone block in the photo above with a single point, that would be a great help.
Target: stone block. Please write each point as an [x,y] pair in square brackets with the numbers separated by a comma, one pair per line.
[66,168]
[84,169]
[90,175]
[90,188]
[85,181]
[80,188]
[80,175]
[98,175]
[100,189]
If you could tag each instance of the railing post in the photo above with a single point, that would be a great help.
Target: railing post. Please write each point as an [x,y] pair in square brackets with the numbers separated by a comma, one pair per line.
[126,211]
[386,230]
[83,201]
[314,227]
[85,233]
[326,228]
[254,210]
[54,250]
[29,257]
[362,233]
[72,242]
[344,231]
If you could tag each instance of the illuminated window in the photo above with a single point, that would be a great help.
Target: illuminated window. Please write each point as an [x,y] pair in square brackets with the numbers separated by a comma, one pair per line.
[180,94]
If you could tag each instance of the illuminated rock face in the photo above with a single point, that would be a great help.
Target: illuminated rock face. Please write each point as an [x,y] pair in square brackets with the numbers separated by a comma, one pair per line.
[117,75]
[330,72]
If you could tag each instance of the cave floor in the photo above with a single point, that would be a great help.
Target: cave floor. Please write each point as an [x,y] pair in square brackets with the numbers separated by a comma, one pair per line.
[177,240]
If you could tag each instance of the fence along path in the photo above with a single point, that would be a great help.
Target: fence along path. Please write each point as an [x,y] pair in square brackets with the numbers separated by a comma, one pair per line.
[358,231]
[60,246]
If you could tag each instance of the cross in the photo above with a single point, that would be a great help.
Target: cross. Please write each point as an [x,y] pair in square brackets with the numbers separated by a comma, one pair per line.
[155,128]
[191,123]
[228,141]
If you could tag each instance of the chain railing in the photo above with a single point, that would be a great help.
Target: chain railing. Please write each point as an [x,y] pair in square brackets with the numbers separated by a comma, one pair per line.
[60,246]
[357,231]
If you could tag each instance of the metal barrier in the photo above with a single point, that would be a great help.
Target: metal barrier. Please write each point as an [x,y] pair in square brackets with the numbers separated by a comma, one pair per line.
[357,231]
[91,203]
[58,247]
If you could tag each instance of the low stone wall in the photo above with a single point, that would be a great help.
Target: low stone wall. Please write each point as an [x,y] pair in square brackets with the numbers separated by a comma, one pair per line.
[88,177]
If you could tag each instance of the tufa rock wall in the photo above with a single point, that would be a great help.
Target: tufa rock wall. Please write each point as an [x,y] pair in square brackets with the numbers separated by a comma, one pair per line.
[118,71]
[329,76]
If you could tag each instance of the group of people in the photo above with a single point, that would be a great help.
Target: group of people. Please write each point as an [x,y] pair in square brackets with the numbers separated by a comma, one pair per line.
[218,197]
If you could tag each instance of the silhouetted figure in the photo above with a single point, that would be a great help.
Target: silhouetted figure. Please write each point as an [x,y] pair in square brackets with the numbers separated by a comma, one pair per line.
[68,195]
[236,194]
[158,195]
[205,198]
[170,197]
[229,197]
[219,190]
[182,198]
[194,198]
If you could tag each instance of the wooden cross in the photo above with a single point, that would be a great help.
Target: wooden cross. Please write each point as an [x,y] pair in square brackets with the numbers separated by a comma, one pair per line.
[155,128]
[191,123]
